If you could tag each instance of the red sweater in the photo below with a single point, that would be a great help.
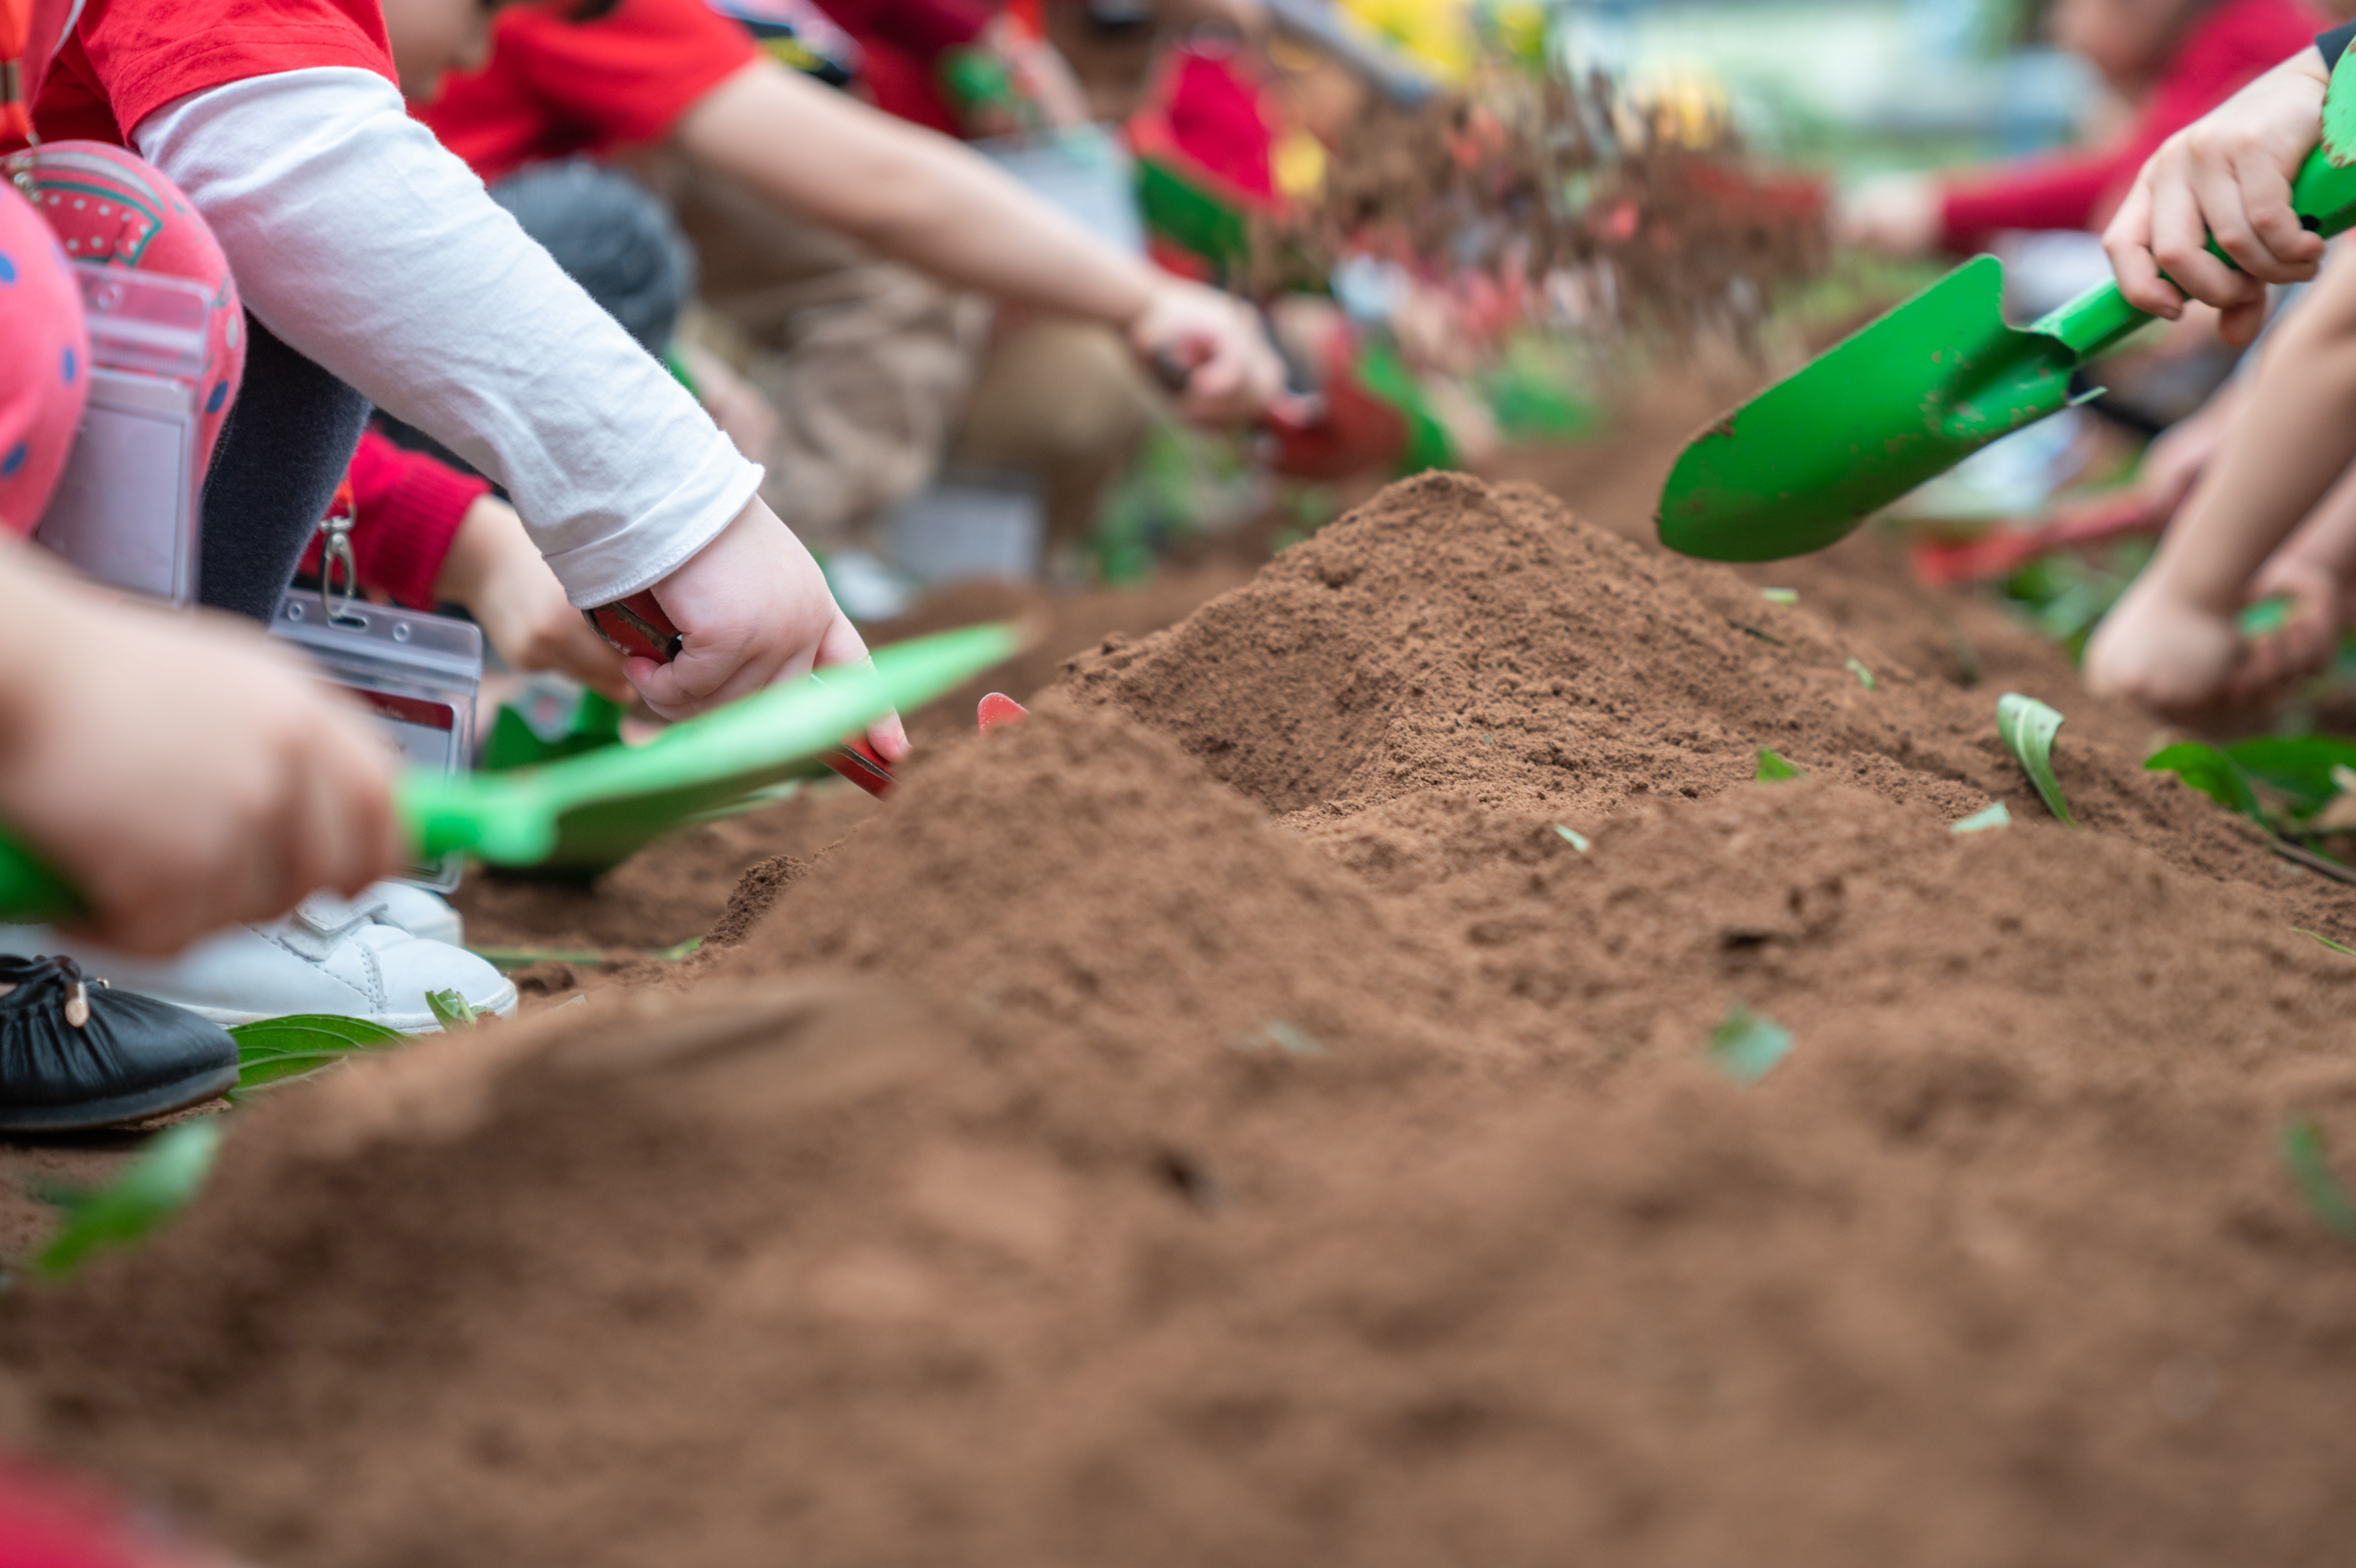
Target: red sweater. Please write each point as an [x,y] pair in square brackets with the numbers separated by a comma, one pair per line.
[406,509]
[2226,47]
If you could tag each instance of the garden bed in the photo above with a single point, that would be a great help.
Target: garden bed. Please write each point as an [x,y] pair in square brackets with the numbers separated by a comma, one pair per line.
[1261,1110]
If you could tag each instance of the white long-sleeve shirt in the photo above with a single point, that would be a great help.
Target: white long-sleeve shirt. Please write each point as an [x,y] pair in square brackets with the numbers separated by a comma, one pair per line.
[368,247]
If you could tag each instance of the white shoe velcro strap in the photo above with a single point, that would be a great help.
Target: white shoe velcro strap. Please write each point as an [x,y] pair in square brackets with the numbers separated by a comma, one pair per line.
[321,922]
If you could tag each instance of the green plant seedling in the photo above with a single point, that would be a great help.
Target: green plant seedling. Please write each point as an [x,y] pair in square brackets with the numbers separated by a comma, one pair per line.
[1864,676]
[2212,772]
[1576,840]
[2307,1157]
[2327,942]
[1746,1046]
[161,1180]
[2026,727]
[1773,769]
[1780,595]
[451,1010]
[1289,1038]
[272,1050]
[1996,816]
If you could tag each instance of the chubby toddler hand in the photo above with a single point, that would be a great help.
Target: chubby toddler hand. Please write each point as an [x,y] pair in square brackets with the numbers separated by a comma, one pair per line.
[2177,658]
[496,571]
[179,771]
[753,608]
[2229,175]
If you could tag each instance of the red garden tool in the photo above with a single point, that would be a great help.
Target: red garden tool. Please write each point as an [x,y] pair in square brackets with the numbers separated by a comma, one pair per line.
[1960,563]
[639,625]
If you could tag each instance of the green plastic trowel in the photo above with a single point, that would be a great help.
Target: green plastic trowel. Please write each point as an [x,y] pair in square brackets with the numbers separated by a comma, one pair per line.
[1910,396]
[592,810]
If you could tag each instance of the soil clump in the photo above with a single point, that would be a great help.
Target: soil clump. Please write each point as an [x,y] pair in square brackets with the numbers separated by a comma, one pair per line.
[1226,1119]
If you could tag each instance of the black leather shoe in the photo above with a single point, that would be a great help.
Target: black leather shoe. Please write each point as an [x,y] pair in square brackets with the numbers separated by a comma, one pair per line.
[74,1054]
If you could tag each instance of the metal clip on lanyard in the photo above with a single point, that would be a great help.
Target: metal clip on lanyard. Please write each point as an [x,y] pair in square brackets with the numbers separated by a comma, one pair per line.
[335,549]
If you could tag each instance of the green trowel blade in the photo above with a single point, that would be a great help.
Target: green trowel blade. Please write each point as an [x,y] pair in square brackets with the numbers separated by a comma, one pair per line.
[1919,391]
[590,811]
[1906,398]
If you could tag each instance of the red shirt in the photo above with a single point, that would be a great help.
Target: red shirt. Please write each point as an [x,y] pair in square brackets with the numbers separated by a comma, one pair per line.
[553,89]
[126,59]
[2227,45]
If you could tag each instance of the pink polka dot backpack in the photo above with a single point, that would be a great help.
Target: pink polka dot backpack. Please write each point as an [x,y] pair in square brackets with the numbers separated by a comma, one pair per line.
[111,207]
[44,362]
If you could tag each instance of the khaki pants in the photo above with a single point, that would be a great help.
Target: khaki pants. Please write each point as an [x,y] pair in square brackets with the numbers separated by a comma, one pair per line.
[877,373]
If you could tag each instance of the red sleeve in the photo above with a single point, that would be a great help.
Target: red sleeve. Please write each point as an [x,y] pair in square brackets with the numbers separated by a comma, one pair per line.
[406,509]
[2231,44]
[924,28]
[627,77]
[139,55]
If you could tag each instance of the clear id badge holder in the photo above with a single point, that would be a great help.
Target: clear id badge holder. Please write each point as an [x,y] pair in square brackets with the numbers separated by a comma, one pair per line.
[419,674]
[126,509]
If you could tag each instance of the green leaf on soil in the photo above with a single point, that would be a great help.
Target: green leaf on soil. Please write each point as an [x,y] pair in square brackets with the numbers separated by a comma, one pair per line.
[1780,595]
[1577,841]
[1864,676]
[2319,937]
[271,1049]
[2303,768]
[1747,1046]
[1293,1041]
[451,1010]
[505,958]
[2026,727]
[1762,636]
[2212,772]
[676,950]
[1773,768]
[2308,1158]
[160,1180]
[1996,816]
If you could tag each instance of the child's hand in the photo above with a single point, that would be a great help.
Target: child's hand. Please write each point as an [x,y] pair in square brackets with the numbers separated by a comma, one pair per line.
[179,771]
[496,571]
[754,609]
[2228,174]
[2177,657]
[2305,642]
[1232,373]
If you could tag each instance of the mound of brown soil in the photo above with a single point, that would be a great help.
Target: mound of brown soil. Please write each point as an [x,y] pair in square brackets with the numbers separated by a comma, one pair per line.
[1161,1181]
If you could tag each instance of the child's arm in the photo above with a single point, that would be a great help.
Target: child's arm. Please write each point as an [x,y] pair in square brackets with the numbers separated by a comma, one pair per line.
[939,206]
[493,570]
[374,251]
[2171,642]
[176,769]
[2227,175]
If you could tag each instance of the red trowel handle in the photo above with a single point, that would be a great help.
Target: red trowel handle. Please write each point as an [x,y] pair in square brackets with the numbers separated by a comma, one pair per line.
[639,625]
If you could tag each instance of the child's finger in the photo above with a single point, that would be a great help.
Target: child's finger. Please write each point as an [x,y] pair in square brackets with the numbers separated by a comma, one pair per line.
[2128,241]
[2295,251]
[844,645]
[2180,242]
[2239,325]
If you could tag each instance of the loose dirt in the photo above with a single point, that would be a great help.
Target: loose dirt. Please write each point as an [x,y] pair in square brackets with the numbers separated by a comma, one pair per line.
[1224,1119]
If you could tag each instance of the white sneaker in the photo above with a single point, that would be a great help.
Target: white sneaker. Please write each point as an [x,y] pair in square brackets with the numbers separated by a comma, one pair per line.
[331,955]
[418,911]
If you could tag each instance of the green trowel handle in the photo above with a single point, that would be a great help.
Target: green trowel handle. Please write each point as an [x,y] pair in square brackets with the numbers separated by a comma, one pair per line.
[2324,196]
[30,892]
